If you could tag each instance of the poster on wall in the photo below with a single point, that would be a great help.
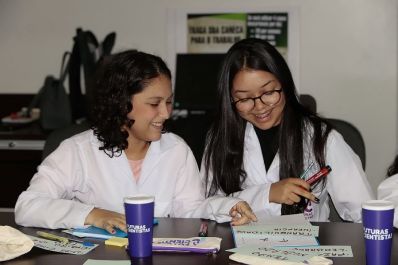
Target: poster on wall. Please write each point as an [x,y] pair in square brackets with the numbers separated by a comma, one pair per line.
[193,30]
[215,33]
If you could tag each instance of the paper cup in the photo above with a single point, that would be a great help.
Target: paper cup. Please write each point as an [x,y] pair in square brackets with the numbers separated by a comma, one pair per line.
[377,218]
[139,212]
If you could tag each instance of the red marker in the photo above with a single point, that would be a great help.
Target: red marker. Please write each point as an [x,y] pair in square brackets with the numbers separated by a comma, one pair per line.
[320,174]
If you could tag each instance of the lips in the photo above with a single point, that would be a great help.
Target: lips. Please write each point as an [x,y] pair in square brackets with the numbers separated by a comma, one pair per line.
[263,116]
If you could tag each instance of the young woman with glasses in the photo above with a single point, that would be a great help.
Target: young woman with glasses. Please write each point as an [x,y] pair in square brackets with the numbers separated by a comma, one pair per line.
[263,139]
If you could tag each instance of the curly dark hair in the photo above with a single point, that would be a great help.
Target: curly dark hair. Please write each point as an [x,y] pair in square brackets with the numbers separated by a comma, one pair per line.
[393,169]
[119,77]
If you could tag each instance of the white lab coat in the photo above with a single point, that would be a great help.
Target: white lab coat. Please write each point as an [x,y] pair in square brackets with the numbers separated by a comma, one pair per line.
[77,177]
[347,183]
[388,190]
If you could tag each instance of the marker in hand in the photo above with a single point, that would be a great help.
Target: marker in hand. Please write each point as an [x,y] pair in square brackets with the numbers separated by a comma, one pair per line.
[320,174]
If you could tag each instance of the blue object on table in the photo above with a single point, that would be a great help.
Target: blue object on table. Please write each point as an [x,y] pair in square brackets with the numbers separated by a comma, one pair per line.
[96,232]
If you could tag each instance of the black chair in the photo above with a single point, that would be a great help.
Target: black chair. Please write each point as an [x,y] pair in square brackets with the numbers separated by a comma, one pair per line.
[57,136]
[355,140]
[352,136]
[308,101]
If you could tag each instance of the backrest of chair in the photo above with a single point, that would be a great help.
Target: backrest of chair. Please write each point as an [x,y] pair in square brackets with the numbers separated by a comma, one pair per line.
[352,136]
[354,139]
[57,136]
[308,101]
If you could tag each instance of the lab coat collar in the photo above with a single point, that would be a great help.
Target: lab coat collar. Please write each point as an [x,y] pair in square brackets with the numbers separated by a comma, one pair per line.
[155,155]
[152,157]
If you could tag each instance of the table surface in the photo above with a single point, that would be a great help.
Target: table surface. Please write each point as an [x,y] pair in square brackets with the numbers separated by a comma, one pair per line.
[329,234]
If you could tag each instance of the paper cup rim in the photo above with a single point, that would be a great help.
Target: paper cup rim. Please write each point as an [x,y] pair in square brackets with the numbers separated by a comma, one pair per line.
[139,199]
[378,205]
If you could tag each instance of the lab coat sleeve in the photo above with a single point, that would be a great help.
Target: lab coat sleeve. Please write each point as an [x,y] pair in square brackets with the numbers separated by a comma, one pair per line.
[388,190]
[189,199]
[48,201]
[255,195]
[347,183]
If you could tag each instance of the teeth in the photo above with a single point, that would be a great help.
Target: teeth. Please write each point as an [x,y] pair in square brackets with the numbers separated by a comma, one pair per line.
[157,124]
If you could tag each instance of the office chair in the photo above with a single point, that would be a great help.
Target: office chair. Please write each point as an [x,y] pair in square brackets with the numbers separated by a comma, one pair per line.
[354,139]
[57,136]
[308,101]
[350,134]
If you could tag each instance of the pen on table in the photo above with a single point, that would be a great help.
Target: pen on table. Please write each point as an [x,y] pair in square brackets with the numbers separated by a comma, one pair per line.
[320,174]
[62,239]
[306,171]
[203,230]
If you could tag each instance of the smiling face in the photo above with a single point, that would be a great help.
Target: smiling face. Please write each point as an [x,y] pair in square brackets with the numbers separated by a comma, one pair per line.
[249,83]
[151,108]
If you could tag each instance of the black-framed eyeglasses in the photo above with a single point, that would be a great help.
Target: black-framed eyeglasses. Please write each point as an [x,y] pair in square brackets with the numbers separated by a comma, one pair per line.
[269,98]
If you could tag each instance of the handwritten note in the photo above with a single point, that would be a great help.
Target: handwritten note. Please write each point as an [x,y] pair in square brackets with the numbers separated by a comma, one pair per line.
[327,251]
[277,230]
[273,253]
[270,241]
[74,248]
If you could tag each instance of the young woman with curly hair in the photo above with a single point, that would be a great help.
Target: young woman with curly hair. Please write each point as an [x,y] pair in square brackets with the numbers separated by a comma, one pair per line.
[126,152]
[263,139]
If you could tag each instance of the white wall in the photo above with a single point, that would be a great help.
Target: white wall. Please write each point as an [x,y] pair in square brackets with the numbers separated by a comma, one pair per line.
[348,52]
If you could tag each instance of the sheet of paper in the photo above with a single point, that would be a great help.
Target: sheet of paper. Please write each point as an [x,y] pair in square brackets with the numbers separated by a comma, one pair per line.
[276,230]
[74,248]
[106,262]
[272,253]
[293,219]
[327,251]
[270,241]
[286,230]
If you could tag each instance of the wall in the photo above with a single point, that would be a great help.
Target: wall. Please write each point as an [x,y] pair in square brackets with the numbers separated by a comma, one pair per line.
[347,49]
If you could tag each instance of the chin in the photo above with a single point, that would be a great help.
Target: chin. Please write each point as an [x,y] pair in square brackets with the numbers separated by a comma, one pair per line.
[265,125]
[154,138]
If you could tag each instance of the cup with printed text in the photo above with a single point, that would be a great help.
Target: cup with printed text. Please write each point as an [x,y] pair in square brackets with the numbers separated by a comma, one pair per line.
[139,212]
[378,218]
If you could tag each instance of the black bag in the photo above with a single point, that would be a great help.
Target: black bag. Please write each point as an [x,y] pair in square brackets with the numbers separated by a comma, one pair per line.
[52,100]
[86,53]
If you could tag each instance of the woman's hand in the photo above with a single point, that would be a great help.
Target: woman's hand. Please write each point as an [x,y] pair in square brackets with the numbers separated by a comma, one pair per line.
[288,191]
[107,220]
[241,213]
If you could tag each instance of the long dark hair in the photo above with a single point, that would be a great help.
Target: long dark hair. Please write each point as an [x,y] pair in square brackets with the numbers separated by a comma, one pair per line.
[224,149]
[393,169]
[119,77]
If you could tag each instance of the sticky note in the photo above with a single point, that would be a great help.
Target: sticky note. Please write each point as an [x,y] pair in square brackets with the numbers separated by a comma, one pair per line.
[116,241]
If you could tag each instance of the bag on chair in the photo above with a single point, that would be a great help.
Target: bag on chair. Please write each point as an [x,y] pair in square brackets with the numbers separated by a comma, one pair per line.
[52,100]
